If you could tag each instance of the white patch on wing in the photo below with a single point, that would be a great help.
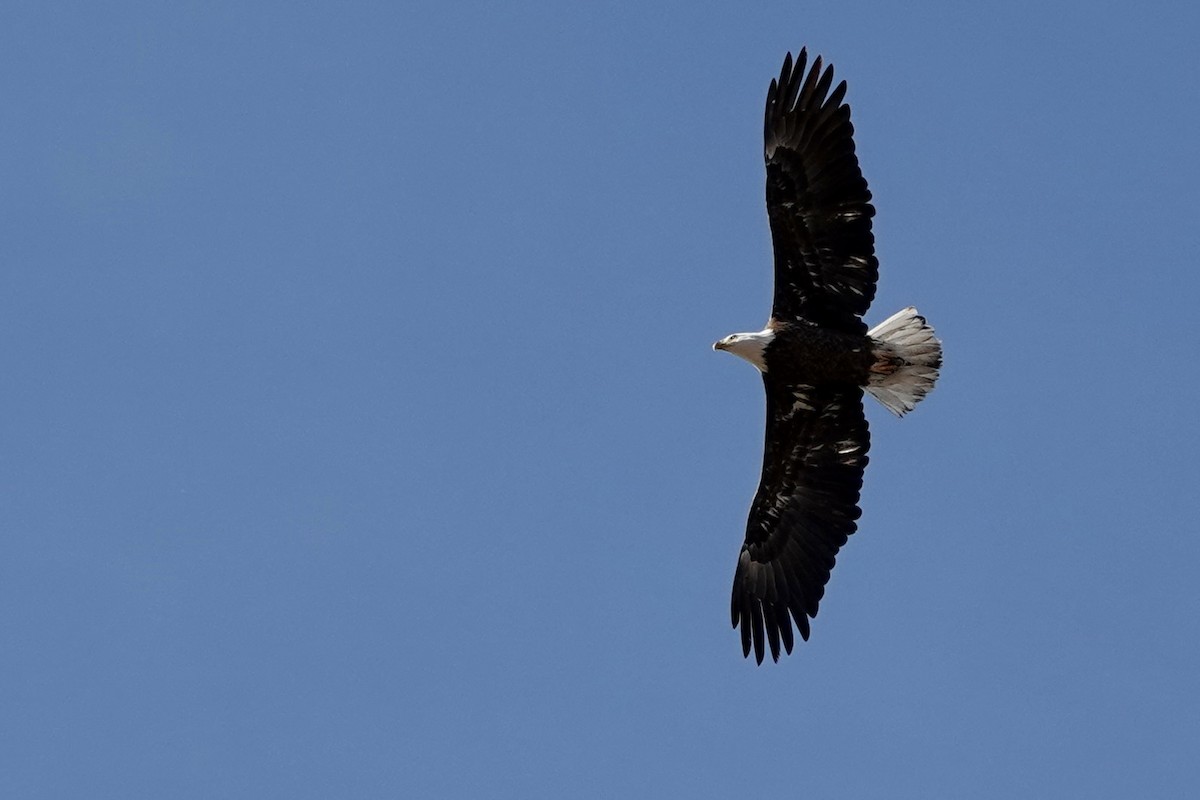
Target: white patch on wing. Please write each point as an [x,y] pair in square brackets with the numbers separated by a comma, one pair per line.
[801,400]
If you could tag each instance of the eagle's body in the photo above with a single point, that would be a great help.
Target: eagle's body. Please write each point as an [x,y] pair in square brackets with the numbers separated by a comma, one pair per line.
[816,357]
[821,355]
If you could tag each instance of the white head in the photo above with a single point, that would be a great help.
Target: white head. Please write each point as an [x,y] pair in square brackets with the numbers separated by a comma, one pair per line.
[750,346]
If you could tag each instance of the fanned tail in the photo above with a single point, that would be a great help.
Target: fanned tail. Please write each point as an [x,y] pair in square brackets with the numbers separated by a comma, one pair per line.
[907,358]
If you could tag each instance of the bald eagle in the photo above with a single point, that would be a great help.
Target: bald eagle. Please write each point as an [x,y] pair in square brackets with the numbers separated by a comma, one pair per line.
[816,357]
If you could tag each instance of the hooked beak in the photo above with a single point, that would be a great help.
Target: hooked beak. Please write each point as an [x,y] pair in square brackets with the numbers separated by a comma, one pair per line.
[720,345]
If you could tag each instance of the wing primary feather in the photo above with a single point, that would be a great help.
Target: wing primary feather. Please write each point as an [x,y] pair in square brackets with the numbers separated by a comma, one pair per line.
[802,624]
[746,632]
[790,85]
[822,87]
[770,589]
[810,82]
[735,606]
[785,629]
[772,623]
[756,617]
[839,94]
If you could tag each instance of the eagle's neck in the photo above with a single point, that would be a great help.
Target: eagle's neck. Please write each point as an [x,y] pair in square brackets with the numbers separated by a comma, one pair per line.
[753,347]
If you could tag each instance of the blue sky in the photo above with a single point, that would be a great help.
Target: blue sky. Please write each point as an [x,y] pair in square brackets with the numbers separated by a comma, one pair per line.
[361,435]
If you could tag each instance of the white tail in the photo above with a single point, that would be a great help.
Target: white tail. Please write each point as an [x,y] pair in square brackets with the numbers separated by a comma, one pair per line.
[907,358]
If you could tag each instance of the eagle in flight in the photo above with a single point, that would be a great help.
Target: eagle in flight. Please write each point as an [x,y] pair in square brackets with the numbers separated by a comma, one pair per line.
[816,357]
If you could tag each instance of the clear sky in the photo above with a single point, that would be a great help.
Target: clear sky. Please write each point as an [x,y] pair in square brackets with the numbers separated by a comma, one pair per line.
[360,434]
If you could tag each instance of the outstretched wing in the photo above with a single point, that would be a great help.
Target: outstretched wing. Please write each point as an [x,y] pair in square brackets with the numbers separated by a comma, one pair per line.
[817,201]
[806,506]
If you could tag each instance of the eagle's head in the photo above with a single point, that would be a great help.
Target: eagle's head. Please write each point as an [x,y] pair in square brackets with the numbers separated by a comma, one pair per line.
[750,346]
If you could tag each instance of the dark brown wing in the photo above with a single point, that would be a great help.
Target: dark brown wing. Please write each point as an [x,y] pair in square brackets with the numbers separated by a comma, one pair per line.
[806,506]
[817,201]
